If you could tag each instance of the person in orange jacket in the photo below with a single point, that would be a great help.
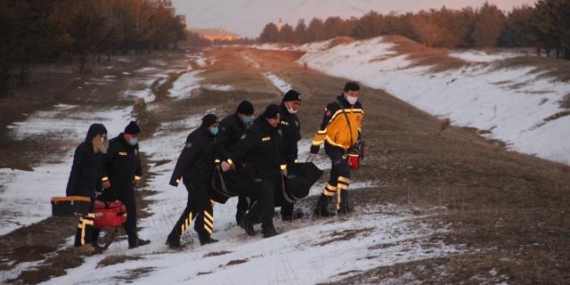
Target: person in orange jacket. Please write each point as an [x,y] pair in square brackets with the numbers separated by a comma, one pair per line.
[340,129]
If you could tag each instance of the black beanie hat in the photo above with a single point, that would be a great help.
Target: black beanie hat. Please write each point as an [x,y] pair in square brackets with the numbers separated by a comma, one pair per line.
[208,120]
[245,107]
[291,95]
[132,128]
[271,112]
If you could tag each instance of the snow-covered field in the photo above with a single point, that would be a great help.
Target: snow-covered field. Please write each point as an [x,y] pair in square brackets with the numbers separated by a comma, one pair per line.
[512,103]
[306,252]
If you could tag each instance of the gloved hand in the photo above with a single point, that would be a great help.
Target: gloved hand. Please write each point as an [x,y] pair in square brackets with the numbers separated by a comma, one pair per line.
[174,182]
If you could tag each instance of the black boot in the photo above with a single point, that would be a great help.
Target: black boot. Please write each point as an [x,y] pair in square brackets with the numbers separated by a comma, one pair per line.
[173,241]
[269,231]
[248,226]
[344,207]
[322,208]
[240,218]
[138,242]
[295,216]
[205,238]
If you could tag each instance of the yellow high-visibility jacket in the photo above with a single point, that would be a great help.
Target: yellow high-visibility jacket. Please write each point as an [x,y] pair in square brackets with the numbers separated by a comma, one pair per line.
[335,128]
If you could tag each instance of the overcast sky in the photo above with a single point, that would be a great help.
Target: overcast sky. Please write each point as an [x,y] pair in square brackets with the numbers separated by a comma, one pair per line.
[248,17]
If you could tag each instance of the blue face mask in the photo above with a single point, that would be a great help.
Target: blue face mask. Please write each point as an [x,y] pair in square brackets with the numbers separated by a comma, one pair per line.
[133,141]
[214,131]
[246,119]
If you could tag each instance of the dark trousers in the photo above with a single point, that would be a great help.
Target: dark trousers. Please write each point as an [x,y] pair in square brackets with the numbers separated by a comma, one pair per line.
[198,208]
[264,208]
[339,179]
[85,230]
[287,210]
[241,208]
[339,165]
[127,197]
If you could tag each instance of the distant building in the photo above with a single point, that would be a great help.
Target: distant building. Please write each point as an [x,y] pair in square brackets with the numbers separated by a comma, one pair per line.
[279,25]
[215,34]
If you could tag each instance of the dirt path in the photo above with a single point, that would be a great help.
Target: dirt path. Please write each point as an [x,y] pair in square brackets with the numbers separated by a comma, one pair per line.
[39,246]
[508,210]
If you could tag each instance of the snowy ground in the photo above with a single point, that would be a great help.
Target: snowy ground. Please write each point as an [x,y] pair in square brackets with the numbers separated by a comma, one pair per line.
[306,252]
[510,103]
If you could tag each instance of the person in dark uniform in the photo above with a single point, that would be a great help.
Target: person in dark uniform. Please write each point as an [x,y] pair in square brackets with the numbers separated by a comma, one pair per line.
[291,129]
[339,130]
[195,167]
[261,148]
[85,180]
[121,174]
[232,128]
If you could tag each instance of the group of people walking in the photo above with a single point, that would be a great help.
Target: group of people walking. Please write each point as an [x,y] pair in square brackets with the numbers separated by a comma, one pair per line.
[261,147]
[106,170]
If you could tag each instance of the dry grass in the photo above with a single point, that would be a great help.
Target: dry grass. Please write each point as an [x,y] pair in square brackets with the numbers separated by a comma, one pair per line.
[554,69]
[345,235]
[116,259]
[340,41]
[218,253]
[565,103]
[420,55]
[236,262]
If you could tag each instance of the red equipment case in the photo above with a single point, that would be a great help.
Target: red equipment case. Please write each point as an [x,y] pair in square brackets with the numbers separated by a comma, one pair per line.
[110,214]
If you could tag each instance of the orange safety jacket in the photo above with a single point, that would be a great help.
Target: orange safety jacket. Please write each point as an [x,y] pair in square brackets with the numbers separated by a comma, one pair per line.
[335,128]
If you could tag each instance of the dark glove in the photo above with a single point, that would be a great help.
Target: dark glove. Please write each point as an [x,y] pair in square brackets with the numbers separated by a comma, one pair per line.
[315,149]
[174,182]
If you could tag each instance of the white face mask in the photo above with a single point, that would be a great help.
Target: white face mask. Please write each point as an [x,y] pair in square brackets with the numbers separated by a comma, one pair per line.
[291,111]
[351,100]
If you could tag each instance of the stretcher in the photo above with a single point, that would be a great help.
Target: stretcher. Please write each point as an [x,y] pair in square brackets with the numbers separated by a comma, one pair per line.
[300,178]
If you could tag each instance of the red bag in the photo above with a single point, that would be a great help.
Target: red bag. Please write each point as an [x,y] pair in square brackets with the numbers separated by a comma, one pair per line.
[110,214]
[354,154]
[353,161]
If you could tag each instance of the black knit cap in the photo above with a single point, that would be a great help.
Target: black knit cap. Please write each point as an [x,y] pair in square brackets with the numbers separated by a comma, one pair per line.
[245,107]
[351,86]
[208,120]
[271,112]
[132,128]
[291,95]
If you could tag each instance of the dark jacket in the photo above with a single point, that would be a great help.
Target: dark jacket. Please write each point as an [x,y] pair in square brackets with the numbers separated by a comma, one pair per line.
[121,164]
[231,130]
[85,175]
[196,162]
[261,148]
[291,128]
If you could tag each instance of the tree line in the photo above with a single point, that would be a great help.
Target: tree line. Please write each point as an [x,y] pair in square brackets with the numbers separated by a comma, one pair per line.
[39,31]
[545,26]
